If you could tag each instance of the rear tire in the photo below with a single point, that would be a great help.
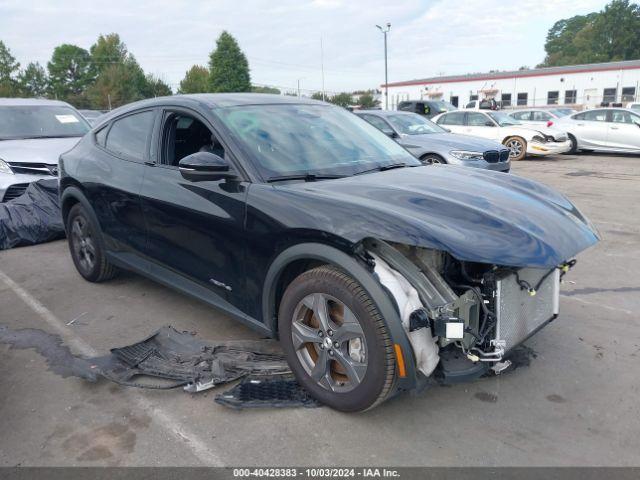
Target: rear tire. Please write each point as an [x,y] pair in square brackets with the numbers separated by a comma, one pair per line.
[517,148]
[87,246]
[336,341]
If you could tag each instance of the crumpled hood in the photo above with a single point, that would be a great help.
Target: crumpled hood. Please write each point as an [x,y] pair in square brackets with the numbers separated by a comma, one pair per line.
[475,215]
[36,150]
[453,141]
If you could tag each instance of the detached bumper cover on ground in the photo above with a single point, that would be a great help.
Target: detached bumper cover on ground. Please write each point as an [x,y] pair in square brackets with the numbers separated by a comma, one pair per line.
[34,217]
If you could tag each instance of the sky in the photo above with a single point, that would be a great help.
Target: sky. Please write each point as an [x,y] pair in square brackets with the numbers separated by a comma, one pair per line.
[282,38]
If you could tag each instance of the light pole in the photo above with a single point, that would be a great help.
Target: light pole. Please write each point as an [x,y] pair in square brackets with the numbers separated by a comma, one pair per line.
[386,76]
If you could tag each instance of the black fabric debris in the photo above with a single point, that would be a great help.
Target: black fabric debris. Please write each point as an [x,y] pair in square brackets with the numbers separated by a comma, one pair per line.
[275,391]
[34,217]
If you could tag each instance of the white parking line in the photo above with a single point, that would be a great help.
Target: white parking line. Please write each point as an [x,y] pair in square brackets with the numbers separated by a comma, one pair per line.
[163,418]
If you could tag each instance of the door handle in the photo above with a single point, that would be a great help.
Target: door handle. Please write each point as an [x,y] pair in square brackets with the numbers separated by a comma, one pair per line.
[580,124]
[614,128]
[150,163]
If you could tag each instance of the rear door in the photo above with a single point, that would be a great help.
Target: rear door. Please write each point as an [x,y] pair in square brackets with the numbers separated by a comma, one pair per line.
[453,121]
[624,131]
[591,128]
[195,228]
[114,178]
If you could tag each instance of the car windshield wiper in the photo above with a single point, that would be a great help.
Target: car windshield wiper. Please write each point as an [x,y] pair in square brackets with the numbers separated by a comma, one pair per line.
[307,177]
[383,168]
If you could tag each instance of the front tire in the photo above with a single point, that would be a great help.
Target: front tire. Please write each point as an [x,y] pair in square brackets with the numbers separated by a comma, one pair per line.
[574,145]
[432,159]
[336,341]
[86,246]
[517,148]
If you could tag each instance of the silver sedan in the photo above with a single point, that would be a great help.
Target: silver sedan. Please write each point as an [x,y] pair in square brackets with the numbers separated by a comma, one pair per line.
[33,134]
[603,129]
[433,144]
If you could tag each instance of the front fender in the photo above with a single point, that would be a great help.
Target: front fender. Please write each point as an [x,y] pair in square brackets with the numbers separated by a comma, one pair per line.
[331,255]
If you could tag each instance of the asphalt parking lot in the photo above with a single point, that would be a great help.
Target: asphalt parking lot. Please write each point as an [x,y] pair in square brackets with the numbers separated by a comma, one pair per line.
[576,404]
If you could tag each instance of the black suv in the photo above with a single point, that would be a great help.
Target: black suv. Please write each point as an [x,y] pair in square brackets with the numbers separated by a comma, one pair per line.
[305,222]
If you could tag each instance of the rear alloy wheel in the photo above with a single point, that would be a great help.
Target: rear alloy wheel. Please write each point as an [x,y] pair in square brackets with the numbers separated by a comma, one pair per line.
[85,244]
[517,148]
[432,159]
[335,340]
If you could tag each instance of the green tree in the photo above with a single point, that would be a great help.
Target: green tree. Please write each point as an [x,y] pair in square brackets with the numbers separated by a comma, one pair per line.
[228,66]
[368,101]
[118,84]
[196,80]
[33,81]
[8,69]
[605,36]
[155,87]
[70,73]
[265,89]
[318,96]
[107,50]
[342,99]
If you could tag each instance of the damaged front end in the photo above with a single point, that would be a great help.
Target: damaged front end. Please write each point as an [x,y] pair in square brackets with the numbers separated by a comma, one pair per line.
[464,318]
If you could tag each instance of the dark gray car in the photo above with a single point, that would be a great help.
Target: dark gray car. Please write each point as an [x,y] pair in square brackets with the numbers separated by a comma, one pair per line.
[433,144]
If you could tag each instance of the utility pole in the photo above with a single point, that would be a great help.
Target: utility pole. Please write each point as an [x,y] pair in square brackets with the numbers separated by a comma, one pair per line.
[322,67]
[386,76]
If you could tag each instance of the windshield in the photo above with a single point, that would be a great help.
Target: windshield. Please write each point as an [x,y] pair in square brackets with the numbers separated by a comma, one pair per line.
[563,112]
[443,106]
[503,119]
[30,121]
[289,139]
[413,124]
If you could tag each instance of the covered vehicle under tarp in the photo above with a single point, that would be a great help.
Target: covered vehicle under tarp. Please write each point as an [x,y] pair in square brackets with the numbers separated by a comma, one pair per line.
[34,217]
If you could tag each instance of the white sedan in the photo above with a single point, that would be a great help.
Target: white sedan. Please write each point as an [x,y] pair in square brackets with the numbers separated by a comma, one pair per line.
[520,139]
[604,130]
[537,117]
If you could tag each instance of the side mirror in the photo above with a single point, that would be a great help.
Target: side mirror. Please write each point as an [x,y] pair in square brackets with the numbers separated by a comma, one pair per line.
[489,123]
[446,129]
[390,134]
[204,166]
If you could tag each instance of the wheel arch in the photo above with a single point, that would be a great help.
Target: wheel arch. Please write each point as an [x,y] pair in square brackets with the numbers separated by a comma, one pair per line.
[70,196]
[297,258]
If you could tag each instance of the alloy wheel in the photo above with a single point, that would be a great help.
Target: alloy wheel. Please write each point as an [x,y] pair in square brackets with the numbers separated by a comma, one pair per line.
[515,148]
[329,342]
[83,243]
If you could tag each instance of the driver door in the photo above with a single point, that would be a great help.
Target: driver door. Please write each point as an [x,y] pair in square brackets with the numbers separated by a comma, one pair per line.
[195,228]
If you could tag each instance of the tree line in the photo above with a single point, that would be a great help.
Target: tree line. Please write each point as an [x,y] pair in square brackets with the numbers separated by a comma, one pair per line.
[612,34]
[105,76]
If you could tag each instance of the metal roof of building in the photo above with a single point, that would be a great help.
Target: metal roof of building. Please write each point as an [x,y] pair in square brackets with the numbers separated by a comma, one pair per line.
[534,72]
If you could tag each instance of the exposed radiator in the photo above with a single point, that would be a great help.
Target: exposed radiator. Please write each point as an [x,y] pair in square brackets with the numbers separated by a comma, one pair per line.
[518,313]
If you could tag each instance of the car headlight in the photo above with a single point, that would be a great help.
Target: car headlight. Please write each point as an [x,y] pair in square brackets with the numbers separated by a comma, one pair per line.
[467,155]
[5,168]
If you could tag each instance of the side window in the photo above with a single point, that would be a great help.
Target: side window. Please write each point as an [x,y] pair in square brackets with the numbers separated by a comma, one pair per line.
[405,106]
[101,136]
[541,116]
[182,135]
[594,115]
[128,136]
[379,123]
[454,118]
[618,116]
[524,116]
[475,119]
